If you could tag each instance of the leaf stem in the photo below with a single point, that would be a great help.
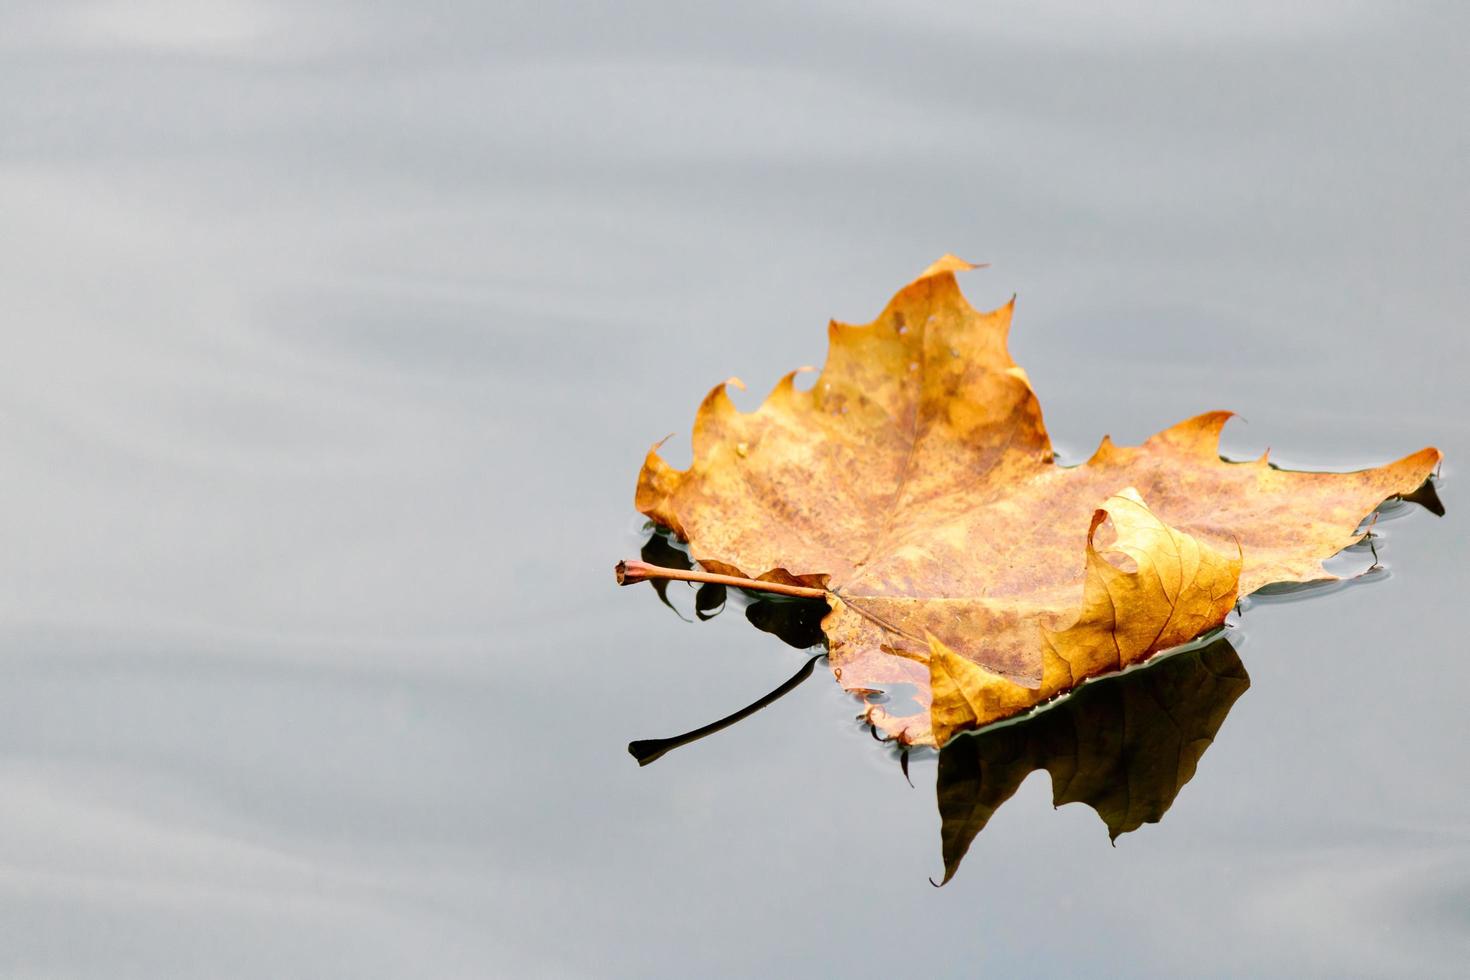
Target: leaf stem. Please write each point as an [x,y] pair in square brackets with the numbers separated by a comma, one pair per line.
[632,570]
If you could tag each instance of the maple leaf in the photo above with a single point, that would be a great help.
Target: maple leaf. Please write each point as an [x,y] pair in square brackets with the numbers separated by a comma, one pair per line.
[914,488]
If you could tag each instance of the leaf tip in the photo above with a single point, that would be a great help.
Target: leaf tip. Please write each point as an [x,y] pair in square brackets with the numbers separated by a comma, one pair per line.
[948,263]
[786,387]
[1197,436]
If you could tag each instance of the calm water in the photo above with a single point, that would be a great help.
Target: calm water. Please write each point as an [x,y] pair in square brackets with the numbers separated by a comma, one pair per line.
[334,335]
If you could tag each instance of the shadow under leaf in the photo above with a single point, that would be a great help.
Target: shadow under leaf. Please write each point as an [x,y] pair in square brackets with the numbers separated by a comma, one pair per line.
[660,549]
[1124,745]
[796,622]
[1427,497]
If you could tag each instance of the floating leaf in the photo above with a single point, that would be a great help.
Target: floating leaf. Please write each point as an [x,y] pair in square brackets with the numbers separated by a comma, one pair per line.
[914,487]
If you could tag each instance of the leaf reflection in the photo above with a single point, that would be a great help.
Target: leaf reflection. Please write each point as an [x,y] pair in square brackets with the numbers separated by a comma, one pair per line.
[651,749]
[1124,745]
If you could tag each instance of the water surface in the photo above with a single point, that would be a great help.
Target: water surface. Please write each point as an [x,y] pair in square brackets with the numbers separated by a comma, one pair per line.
[334,335]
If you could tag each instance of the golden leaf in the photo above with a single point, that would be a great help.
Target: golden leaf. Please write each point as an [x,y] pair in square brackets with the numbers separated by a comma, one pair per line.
[914,484]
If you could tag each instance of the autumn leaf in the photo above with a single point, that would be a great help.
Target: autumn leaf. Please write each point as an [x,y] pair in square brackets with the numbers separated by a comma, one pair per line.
[913,487]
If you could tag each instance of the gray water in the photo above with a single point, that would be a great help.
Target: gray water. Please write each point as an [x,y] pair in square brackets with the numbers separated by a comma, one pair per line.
[334,335]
